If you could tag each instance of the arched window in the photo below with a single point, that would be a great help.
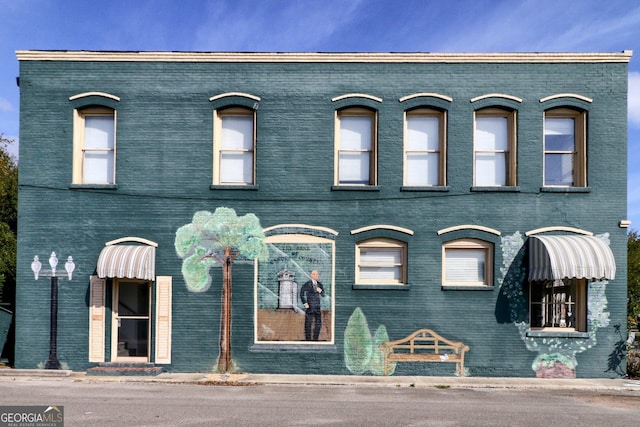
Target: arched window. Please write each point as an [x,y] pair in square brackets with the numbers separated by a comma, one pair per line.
[234,143]
[94,145]
[467,262]
[381,261]
[565,146]
[425,148]
[355,146]
[494,147]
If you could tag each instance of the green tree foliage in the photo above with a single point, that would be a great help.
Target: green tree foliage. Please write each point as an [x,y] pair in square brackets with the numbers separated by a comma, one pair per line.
[220,237]
[376,365]
[8,220]
[361,351]
[633,277]
[357,343]
[206,239]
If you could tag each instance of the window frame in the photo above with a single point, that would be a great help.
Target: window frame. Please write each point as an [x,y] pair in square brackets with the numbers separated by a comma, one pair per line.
[579,153]
[79,142]
[441,116]
[511,154]
[580,304]
[218,118]
[373,152]
[475,245]
[381,243]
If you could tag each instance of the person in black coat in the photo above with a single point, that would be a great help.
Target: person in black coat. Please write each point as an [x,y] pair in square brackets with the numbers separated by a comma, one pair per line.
[310,294]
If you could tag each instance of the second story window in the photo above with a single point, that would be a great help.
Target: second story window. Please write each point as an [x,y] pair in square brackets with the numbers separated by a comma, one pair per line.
[494,148]
[94,146]
[564,148]
[424,148]
[355,147]
[234,147]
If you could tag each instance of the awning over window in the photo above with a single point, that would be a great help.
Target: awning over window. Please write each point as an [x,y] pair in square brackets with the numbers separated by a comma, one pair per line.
[127,261]
[580,257]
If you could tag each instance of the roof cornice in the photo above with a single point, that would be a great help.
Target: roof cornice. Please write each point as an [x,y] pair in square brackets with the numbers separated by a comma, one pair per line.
[265,57]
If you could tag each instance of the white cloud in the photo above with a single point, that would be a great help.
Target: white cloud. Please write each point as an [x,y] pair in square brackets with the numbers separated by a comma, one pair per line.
[5,105]
[634,99]
[539,26]
[275,26]
[597,27]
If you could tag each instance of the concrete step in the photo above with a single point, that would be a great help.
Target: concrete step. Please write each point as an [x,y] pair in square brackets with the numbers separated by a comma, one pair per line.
[118,369]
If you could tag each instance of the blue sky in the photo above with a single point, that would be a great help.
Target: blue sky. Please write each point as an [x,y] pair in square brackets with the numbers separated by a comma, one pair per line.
[325,26]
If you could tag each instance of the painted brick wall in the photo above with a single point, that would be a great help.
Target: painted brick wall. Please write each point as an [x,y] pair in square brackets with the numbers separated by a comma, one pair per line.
[164,172]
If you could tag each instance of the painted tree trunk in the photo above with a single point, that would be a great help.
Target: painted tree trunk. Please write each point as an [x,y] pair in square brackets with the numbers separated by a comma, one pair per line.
[224,361]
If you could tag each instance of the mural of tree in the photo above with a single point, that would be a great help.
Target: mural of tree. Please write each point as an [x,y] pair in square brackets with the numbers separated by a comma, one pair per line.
[362,351]
[357,343]
[218,238]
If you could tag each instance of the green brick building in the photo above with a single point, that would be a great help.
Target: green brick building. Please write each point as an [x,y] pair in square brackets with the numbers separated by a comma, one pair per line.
[482,196]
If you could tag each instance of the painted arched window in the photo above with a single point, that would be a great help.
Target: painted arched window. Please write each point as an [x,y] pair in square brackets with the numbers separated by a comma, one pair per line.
[295,287]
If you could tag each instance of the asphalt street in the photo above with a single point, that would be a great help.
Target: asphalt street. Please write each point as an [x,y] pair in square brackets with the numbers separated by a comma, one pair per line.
[268,400]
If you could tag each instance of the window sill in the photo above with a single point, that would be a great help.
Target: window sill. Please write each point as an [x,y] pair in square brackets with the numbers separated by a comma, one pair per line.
[435,188]
[234,187]
[467,288]
[505,189]
[382,286]
[355,188]
[565,189]
[303,347]
[93,186]
[555,333]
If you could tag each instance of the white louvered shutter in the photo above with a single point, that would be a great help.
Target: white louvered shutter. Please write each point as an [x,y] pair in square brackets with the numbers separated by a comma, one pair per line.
[96,319]
[163,319]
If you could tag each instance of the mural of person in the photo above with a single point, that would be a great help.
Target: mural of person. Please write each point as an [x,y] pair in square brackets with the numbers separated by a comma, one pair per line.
[280,305]
[310,294]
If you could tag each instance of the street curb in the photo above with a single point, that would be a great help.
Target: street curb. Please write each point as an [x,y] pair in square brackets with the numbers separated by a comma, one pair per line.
[247,379]
[8,372]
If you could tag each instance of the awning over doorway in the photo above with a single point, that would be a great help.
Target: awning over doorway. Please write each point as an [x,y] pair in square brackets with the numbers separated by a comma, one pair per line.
[127,261]
[580,257]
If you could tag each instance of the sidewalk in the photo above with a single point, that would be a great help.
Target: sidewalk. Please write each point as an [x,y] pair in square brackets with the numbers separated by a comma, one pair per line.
[239,379]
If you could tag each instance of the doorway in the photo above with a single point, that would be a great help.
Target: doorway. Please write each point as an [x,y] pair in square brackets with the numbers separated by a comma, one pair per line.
[131,321]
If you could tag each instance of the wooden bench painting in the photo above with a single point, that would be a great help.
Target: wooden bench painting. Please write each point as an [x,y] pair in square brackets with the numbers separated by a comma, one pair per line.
[424,345]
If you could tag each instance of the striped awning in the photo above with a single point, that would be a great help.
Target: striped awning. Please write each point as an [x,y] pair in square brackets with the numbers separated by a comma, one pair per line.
[127,261]
[580,257]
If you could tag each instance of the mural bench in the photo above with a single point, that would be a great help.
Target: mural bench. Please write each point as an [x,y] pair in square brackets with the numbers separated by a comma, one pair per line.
[424,345]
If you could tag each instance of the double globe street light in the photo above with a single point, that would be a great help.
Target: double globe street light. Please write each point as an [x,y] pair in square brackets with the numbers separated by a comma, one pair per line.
[36,266]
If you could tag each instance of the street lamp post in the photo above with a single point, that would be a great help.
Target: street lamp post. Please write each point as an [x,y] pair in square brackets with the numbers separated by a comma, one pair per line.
[36,266]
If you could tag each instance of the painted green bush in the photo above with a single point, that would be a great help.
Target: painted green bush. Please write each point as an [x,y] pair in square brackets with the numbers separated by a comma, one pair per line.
[376,365]
[357,343]
[362,351]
